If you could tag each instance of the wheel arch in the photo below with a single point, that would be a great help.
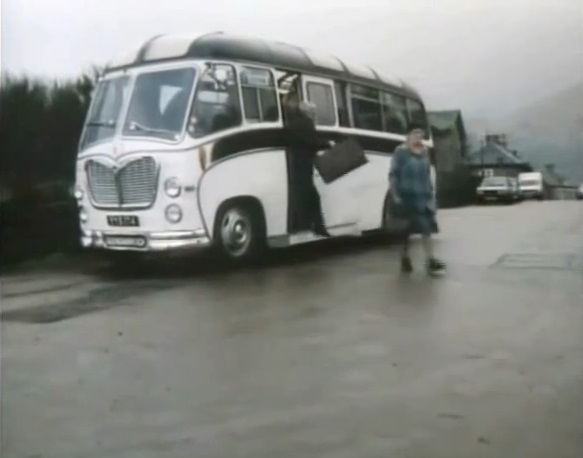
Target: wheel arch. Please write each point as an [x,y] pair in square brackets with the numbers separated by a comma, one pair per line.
[249,202]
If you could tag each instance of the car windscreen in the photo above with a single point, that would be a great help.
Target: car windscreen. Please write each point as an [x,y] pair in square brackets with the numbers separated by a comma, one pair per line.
[495,181]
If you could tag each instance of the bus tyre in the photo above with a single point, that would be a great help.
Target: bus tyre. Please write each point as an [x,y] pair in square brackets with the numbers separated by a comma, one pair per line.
[240,232]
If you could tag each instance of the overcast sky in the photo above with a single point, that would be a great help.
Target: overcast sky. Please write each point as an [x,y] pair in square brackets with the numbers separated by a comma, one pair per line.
[483,56]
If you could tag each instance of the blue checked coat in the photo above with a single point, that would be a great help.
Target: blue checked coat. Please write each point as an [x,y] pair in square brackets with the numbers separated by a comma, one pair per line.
[410,179]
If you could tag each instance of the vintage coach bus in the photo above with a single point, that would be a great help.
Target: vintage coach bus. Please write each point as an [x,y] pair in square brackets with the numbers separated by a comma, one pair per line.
[182,146]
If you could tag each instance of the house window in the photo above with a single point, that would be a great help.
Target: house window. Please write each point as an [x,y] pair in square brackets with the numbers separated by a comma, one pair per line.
[259,95]
[321,95]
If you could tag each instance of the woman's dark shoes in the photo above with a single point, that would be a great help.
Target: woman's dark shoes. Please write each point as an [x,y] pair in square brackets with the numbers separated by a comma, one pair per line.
[435,266]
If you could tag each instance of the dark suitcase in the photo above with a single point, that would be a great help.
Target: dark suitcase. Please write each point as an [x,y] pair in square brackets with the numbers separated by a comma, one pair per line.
[339,160]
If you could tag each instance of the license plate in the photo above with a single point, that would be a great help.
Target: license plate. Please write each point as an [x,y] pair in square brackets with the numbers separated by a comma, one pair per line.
[125,241]
[123,220]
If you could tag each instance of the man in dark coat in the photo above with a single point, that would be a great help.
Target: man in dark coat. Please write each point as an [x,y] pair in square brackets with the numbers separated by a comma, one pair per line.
[304,143]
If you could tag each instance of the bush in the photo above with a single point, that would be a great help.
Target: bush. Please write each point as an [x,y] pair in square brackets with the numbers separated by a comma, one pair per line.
[40,126]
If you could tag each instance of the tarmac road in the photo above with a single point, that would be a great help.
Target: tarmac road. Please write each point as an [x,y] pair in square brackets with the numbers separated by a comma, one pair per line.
[327,352]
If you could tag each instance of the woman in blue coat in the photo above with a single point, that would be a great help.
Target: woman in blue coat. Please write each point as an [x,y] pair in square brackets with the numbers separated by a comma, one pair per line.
[414,198]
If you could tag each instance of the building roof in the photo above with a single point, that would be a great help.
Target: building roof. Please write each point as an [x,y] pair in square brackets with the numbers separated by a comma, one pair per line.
[494,154]
[551,176]
[218,45]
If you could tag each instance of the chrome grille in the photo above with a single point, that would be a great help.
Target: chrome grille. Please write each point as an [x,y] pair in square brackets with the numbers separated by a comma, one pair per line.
[137,182]
[102,184]
[134,184]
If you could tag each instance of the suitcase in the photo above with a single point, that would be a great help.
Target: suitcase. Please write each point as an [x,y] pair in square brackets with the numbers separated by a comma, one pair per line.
[342,158]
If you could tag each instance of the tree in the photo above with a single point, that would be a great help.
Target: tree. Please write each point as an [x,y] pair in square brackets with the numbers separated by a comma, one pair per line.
[40,125]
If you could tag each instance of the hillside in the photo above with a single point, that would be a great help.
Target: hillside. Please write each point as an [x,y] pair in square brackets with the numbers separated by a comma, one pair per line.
[549,130]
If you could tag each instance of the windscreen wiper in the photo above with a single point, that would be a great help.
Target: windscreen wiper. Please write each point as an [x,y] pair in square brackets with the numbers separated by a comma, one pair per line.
[101,123]
[141,128]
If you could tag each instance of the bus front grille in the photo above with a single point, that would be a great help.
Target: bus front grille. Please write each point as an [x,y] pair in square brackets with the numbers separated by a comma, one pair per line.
[133,185]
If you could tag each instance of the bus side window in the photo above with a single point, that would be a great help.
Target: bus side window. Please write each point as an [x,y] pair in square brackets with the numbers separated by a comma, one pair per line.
[394,113]
[366,108]
[321,95]
[417,115]
[216,105]
[259,95]
[343,117]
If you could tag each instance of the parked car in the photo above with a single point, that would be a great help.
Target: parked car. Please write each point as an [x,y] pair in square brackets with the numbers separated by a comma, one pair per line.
[499,189]
[579,192]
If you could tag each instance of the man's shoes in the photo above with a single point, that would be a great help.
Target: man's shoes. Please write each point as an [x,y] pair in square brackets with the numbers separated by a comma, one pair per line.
[435,266]
[406,265]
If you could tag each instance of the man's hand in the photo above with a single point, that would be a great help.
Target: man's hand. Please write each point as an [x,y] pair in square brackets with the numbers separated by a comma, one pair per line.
[397,199]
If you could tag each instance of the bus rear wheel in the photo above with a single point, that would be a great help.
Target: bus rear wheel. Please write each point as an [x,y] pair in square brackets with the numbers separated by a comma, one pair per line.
[239,232]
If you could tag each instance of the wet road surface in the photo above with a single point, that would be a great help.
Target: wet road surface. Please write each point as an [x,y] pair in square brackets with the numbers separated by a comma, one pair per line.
[325,352]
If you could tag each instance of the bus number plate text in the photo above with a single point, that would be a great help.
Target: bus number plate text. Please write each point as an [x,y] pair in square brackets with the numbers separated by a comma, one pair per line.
[123,220]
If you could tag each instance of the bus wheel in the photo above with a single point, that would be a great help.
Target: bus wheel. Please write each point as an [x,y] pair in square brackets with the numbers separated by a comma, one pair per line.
[239,232]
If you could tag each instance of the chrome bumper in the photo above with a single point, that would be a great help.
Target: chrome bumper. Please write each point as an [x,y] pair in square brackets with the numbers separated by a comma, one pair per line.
[146,241]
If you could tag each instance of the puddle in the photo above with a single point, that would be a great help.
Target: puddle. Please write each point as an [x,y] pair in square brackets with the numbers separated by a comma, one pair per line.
[95,301]
[540,261]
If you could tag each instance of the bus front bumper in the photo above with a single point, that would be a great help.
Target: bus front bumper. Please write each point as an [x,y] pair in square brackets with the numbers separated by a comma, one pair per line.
[146,241]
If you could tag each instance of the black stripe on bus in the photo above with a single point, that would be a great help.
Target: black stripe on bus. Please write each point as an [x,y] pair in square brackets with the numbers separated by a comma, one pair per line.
[275,138]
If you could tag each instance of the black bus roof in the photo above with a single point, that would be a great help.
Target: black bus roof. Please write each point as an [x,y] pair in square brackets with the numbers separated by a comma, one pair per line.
[282,56]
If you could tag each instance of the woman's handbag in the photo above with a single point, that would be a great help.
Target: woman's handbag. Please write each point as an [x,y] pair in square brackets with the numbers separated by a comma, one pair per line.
[396,218]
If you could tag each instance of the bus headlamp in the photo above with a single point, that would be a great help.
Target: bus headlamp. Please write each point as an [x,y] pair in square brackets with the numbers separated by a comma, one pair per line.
[173,214]
[83,216]
[78,193]
[172,187]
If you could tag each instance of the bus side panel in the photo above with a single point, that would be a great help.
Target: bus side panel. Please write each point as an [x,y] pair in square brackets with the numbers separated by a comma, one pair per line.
[357,197]
[261,174]
[373,182]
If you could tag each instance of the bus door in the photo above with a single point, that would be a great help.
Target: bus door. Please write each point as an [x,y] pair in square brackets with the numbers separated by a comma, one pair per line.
[338,202]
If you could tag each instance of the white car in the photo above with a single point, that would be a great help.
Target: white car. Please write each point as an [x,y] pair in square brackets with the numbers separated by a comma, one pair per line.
[499,189]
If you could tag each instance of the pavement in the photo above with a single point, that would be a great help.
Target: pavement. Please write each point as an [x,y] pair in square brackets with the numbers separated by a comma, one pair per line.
[325,352]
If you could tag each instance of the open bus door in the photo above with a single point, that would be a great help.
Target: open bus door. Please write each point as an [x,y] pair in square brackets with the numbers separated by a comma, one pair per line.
[339,206]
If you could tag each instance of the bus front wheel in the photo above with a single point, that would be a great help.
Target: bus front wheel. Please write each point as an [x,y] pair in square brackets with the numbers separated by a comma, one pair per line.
[240,232]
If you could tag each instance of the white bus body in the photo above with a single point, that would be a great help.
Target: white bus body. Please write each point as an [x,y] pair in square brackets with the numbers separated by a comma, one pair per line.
[167,163]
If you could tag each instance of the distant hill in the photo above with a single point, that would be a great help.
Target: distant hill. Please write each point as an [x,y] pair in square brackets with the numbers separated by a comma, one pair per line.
[549,130]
